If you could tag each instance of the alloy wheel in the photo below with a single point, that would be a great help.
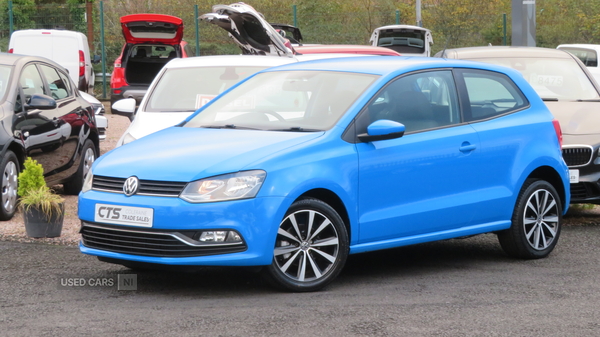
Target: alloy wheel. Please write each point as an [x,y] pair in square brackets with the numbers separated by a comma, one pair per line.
[9,187]
[307,246]
[540,219]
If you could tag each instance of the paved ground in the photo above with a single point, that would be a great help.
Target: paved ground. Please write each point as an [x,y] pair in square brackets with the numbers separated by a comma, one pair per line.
[451,288]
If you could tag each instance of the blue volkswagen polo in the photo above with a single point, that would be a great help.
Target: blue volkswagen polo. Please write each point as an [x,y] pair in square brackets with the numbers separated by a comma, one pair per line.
[299,166]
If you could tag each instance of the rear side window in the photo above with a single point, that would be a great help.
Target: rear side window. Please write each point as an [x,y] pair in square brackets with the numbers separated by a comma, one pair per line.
[58,88]
[490,94]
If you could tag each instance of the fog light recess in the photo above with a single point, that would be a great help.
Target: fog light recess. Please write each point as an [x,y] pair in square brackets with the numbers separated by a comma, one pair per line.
[220,236]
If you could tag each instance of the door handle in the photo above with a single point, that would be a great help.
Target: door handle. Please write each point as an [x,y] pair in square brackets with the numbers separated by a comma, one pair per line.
[467,147]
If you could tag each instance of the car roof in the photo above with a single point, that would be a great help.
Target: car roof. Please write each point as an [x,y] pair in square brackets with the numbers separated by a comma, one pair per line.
[229,60]
[345,48]
[377,65]
[502,52]
[14,59]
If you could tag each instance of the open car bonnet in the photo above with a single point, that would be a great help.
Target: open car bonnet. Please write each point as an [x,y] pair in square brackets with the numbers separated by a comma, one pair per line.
[249,29]
[152,28]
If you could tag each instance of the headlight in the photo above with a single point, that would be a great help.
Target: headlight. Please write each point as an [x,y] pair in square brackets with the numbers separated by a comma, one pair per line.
[128,138]
[98,108]
[240,185]
[87,182]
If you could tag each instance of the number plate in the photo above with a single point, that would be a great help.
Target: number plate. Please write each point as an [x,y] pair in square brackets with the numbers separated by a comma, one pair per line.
[574,176]
[124,215]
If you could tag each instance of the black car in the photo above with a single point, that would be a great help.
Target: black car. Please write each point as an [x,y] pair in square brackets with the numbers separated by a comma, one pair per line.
[43,117]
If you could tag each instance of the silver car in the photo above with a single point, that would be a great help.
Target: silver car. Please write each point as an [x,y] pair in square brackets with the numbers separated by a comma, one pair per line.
[571,94]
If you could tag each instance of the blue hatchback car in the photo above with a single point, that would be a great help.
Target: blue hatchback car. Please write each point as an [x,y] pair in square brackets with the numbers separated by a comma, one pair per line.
[301,165]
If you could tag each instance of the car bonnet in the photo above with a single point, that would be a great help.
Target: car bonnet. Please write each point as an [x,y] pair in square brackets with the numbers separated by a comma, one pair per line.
[187,154]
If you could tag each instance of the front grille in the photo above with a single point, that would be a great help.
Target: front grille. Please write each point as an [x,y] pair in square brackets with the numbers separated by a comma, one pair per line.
[146,187]
[583,191]
[151,242]
[577,156]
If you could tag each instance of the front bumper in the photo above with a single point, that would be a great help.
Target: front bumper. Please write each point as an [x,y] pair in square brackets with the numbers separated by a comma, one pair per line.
[256,220]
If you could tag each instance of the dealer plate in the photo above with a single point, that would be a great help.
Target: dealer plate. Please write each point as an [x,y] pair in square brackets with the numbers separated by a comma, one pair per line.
[574,176]
[124,215]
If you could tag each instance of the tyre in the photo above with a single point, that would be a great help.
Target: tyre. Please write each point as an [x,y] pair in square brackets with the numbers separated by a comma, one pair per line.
[310,249]
[9,166]
[536,222]
[88,155]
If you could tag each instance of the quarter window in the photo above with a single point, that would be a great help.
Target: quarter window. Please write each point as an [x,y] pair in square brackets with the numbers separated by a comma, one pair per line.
[491,94]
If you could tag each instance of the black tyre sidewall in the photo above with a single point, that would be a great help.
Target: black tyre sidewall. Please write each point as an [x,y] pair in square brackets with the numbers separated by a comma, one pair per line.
[513,240]
[8,157]
[74,186]
[274,275]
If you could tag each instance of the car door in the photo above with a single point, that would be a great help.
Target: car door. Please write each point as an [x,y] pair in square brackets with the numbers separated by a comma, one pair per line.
[490,102]
[50,136]
[427,180]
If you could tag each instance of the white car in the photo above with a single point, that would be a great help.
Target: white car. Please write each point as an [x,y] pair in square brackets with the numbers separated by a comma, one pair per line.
[587,53]
[184,85]
[101,121]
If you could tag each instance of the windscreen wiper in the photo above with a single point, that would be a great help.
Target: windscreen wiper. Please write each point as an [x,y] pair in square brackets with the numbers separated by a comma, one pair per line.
[228,126]
[297,129]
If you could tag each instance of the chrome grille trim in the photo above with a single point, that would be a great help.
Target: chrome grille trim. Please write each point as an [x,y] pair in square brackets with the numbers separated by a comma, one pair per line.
[153,188]
[152,242]
[577,155]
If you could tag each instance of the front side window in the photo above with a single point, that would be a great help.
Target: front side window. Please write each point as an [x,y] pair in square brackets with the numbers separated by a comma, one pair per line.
[31,81]
[58,88]
[420,101]
[286,101]
[491,94]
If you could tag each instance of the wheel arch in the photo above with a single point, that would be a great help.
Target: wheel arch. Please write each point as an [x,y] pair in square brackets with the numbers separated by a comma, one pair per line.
[333,200]
[550,175]
[18,151]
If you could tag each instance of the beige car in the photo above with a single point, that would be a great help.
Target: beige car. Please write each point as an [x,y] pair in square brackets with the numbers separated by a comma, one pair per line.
[571,94]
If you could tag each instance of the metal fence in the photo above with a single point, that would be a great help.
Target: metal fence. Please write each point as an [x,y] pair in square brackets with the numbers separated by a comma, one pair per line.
[325,22]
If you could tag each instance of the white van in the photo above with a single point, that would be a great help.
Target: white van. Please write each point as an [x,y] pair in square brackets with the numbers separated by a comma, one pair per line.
[67,48]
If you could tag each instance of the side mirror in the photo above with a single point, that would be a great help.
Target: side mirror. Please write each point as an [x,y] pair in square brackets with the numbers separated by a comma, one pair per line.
[96,59]
[125,107]
[382,129]
[40,102]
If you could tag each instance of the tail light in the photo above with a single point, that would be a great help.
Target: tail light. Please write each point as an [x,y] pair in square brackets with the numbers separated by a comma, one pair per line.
[81,63]
[11,50]
[558,132]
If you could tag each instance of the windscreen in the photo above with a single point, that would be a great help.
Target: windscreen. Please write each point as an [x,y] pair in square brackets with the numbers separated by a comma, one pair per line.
[286,101]
[187,89]
[551,78]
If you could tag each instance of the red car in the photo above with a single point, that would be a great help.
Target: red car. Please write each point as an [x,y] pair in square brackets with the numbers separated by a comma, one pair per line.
[151,40]
[346,49]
